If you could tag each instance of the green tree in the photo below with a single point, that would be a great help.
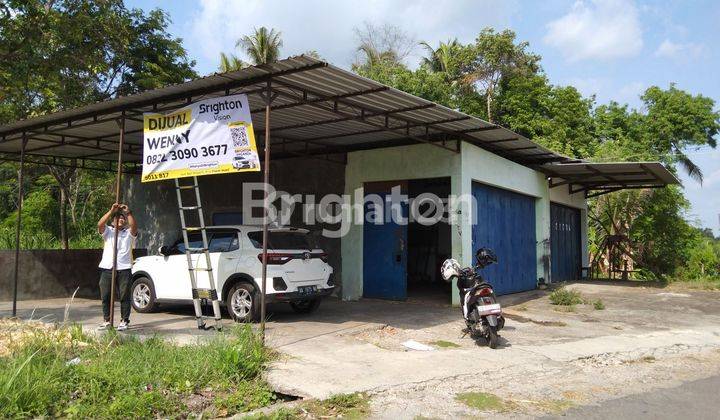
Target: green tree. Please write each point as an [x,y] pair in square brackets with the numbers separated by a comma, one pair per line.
[676,121]
[61,54]
[494,57]
[443,58]
[557,117]
[262,46]
[671,122]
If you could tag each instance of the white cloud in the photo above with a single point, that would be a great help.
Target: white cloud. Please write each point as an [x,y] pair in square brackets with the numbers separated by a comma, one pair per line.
[327,26]
[630,93]
[588,86]
[679,51]
[598,29]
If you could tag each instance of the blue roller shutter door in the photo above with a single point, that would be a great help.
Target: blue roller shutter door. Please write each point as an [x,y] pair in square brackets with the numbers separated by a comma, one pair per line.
[506,224]
[565,248]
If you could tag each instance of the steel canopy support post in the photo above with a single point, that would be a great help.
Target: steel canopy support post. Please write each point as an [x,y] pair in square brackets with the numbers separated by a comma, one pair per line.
[18,224]
[266,205]
[118,179]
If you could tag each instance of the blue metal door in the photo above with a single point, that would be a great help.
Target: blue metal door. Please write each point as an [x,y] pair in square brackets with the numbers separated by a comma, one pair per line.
[565,251]
[506,224]
[384,252]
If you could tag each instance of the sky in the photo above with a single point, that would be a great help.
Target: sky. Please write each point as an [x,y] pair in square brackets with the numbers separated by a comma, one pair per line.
[613,49]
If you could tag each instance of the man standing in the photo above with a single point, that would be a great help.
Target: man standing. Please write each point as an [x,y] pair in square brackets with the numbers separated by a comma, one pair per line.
[127,233]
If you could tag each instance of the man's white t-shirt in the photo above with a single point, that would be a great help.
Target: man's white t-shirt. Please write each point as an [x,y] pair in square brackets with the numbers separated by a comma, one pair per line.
[124,248]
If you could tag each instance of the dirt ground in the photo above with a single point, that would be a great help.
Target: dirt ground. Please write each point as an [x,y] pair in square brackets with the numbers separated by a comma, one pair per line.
[550,360]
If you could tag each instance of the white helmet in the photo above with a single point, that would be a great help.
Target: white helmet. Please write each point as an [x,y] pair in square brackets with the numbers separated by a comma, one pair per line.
[450,268]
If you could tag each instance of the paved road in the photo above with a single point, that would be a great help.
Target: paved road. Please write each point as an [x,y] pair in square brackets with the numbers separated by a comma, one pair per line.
[692,400]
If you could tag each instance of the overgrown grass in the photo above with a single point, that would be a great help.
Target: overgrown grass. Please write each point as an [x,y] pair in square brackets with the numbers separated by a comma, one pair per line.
[566,297]
[116,376]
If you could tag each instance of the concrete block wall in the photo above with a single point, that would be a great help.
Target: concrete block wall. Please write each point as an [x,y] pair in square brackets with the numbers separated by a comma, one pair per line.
[52,273]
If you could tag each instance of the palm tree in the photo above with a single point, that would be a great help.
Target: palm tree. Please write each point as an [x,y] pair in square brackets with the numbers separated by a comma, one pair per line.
[229,62]
[373,56]
[440,59]
[263,46]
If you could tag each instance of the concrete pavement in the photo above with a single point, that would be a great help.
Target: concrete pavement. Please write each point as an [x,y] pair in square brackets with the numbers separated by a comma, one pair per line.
[692,400]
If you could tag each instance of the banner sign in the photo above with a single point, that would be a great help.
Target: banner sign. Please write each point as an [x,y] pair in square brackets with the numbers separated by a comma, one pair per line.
[214,136]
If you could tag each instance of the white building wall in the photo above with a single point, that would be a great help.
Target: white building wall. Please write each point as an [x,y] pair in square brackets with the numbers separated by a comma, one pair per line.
[472,164]
[391,164]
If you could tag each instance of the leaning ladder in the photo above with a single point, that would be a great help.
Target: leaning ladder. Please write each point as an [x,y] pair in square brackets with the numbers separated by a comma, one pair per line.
[198,293]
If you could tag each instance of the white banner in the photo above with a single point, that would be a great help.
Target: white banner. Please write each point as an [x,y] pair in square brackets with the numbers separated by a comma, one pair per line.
[214,136]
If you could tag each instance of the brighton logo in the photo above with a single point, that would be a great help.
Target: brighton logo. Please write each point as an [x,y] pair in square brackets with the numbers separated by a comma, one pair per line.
[336,214]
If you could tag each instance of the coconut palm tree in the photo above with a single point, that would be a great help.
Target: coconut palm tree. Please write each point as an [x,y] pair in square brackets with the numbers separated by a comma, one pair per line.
[440,59]
[263,46]
[230,62]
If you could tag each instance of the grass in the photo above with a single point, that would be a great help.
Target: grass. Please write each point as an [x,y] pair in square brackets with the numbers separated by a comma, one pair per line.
[566,297]
[44,240]
[599,305]
[555,406]
[444,344]
[703,283]
[116,376]
[488,402]
[347,406]
[481,401]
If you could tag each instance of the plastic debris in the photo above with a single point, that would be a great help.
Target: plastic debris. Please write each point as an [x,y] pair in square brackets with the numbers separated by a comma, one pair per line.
[414,345]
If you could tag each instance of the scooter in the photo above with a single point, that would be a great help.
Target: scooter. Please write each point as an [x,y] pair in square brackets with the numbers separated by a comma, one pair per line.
[481,311]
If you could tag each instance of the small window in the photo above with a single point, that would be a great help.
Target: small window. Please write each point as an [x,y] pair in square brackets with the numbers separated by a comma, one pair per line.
[223,242]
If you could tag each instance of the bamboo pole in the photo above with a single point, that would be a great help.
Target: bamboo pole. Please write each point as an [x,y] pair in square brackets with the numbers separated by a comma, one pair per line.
[18,224]
[266,205]
[118,180]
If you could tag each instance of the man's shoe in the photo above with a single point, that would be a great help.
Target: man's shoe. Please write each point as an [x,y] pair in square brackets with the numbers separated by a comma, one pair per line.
[104,326]
[123,325]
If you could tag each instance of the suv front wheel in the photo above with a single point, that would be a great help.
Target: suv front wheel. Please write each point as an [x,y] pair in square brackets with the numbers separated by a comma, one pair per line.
[242,304]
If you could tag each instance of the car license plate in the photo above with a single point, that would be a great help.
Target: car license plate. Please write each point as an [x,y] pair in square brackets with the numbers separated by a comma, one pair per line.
[307,290]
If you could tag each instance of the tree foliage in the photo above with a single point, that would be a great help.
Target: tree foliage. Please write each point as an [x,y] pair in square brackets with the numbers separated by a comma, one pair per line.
[262,46]
[65,53]
[60,54]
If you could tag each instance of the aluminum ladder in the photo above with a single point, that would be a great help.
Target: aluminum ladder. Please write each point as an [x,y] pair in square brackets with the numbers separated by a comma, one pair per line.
[198,293]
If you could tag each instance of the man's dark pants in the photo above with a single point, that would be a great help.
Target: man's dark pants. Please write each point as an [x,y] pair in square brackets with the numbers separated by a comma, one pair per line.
[123,282]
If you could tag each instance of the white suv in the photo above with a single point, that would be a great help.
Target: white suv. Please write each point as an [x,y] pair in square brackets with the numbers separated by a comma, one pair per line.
[297,274]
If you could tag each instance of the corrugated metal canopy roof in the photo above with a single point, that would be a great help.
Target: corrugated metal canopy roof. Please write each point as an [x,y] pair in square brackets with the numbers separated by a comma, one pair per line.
[609,176]
[318,109]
